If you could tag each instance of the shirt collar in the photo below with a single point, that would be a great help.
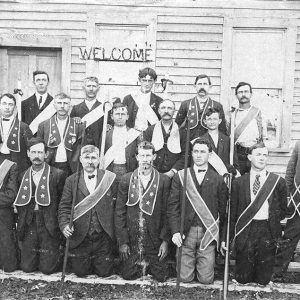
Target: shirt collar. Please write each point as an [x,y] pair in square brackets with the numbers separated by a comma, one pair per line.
[38,172]
[44,96]
[88,174]
[262,173]
[243,109]
[10,118]
[200,100]
[91,102]
[196,168]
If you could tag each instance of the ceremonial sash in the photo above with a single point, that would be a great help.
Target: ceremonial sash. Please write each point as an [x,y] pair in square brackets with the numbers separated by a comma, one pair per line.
[4,168]
[173,143]
[91,200]
[252,114]
[263,194]
[148,198]
[47,113]
[217,163]
[13,140]
[69,136]
[148,112]
[42,192]
[294,201]
[95,114]
[201,209]
[110,154]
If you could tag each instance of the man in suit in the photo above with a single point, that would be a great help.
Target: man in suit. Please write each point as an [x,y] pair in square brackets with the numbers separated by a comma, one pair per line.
[195,109]
[143,104]
[92,111]
[205,210]
[258,204]
[37,203]
[35,104]
[61,134]
[14,134]
[140,219]
[121,143]
[92,236]
[168,141]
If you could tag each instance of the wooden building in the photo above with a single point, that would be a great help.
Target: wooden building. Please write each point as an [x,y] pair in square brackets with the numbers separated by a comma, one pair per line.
[229,40]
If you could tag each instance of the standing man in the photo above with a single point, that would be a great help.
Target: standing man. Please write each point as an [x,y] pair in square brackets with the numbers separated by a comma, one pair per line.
[37,205]
[248,125]
[143,105]
[92,236]
[92,111]
[205,210]
[140,219]
[196,108]
[61,134]
[35,104]
[14,134]
[258,204]
[168,141]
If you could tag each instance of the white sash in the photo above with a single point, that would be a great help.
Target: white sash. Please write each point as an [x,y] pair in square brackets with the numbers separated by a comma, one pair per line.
[173,142]
[217,163]
[110,154]
[47,113]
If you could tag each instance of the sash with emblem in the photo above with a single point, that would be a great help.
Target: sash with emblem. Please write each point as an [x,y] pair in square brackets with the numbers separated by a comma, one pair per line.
[91,200]
[201,209]
[147,199]
[263,194]
[69,136]
[42,191]
[13,140]
[4,168]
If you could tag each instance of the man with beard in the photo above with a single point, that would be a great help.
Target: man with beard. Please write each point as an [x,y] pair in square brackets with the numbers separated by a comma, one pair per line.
[37,204]
[195,109]
[168,141]
[248,125]
[140,219]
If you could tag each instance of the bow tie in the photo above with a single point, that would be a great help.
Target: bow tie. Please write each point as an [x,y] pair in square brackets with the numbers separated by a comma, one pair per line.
[5,119]
[199,171]
[91,176]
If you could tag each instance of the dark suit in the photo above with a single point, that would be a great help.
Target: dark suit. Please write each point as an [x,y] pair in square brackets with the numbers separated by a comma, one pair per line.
[38,231]
[199,129]
[30,108]
[133,108]
[155,230]
[81,241]
[165,159]
[258,235]
[8,247]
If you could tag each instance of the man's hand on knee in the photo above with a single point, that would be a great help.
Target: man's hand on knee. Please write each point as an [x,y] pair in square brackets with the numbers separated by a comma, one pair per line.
[223,248]
[67,232]
[124,251]
[177,240]
[163,250]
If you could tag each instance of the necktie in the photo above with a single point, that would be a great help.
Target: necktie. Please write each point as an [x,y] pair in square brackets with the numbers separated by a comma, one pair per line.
[199,171]
[91,176]
[4,119]
[40,101]
[256,184]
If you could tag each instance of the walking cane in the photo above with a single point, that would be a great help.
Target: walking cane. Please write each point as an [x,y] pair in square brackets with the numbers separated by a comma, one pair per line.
[183,202]
[63,274]
[228,180]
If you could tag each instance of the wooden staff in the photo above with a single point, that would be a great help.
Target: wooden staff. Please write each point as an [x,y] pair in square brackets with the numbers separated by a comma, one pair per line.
[18,92]
[63,274]
[183,196]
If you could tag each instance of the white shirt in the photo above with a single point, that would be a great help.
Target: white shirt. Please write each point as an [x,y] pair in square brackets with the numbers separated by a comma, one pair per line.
[38,96]
[200,175]
[90,104]
[215,137]
[119,138]
[90,183]
[6,125]
[61,153]
[141,123]
[263,213]
[36,176]
[145,179]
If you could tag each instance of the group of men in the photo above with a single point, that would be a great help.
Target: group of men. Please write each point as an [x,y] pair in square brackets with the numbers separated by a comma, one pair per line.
[131,207]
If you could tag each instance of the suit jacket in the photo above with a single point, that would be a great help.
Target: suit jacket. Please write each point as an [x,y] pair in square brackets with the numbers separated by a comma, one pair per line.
[126,217]
[104,208]
[293,169]
[166,160]
[133,108]
[241,198]
[213,191]
[130,151]
[93,133]
[72,156]
[30,108]
[25,213]
[223,149]
[199,129]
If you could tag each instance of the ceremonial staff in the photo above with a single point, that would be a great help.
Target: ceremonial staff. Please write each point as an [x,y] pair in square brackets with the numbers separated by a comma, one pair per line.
[18,92]
[63,274]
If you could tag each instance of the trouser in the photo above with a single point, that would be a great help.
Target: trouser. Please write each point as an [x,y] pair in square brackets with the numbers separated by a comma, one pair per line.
[39,250]
[64,166]
[8,246]
[244,162]
[255,262]
[93,256]
[193,257]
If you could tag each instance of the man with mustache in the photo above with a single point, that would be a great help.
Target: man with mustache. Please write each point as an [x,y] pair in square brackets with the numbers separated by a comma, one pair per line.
[168,141]
[248,125]
[37,203]
[195,109]
[92,237]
